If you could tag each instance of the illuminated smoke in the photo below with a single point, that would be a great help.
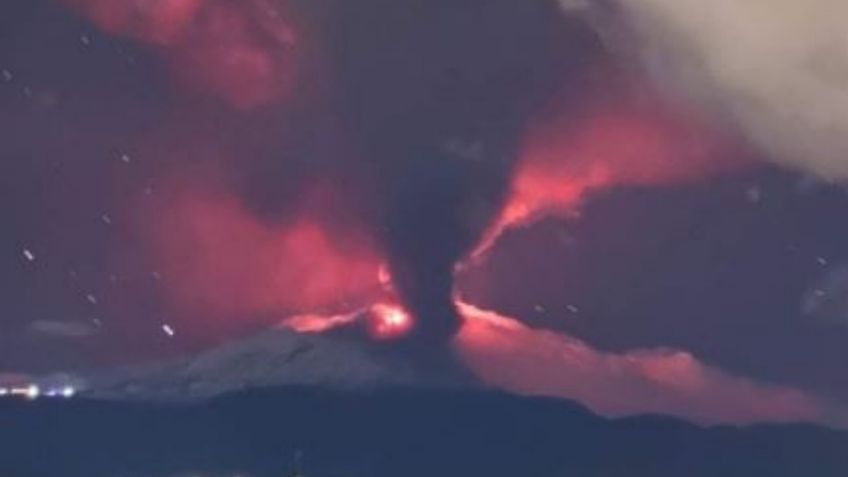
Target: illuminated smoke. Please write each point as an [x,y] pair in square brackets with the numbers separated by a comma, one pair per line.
[776,69]
[243,52]
[239,54]
[506,353]
[445,122]
[622,135]
[436,99]
[431,104]
[218,259]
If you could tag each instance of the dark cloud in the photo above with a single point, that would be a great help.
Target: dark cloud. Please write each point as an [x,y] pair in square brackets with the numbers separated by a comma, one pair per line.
[414,78]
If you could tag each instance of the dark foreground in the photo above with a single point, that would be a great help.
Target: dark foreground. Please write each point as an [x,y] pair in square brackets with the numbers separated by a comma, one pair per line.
[392,433]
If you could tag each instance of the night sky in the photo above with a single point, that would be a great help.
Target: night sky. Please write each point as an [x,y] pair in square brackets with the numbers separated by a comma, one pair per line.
[182,174]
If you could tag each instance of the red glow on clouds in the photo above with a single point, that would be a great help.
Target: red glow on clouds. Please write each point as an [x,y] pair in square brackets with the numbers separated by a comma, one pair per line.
[505,353]
[219,259]
[633,140]
[224,55]
[243,52]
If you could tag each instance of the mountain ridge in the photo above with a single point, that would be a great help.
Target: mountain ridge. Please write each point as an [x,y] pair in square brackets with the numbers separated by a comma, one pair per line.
[390,432]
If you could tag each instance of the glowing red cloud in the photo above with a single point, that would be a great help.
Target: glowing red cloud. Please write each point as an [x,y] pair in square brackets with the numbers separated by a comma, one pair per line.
[243,52]
[230,53]
[633,139]
[509,355]
[219,259]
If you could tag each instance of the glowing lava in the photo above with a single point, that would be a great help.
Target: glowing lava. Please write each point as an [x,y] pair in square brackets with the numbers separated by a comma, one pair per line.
[389,322]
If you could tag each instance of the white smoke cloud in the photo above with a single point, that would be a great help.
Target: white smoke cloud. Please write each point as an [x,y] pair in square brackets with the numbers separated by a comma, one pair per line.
[777,70]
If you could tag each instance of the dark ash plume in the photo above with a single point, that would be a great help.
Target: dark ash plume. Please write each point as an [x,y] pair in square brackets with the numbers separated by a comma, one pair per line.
[436,93]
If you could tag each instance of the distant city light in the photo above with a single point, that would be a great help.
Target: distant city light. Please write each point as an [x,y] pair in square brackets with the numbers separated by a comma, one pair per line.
[33,392]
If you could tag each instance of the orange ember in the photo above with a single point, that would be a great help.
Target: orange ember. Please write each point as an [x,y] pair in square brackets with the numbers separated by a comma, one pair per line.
[389,322]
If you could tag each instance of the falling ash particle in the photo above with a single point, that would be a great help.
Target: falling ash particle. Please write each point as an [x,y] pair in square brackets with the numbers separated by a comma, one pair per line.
[168,330]
[29,255]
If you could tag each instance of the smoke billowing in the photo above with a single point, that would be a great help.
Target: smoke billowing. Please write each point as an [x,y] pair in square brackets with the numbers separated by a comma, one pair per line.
[416,111]
[620,133]
[228,164]
[433,125]
[777,70]
[438,97]
[241,52]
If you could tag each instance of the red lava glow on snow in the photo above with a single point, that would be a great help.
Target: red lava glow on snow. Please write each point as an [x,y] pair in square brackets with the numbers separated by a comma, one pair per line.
[634,140]
[219,259]
[312,323]
[383,321]
[243,52]
[506,354]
